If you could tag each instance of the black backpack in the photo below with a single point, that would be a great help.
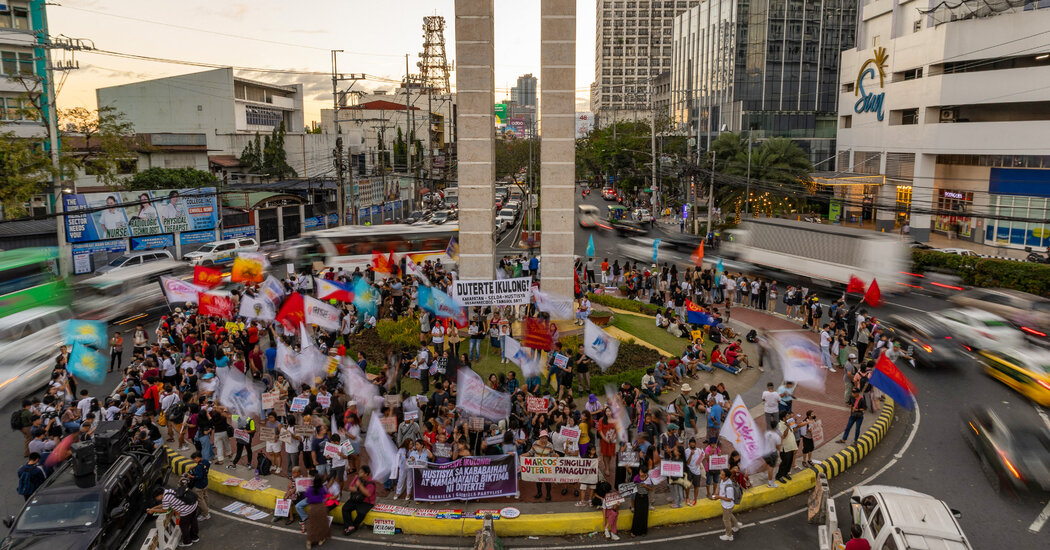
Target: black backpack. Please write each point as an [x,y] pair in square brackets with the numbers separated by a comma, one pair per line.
[186,494]
[752,336]
[16,420]
[263,464]
[176,412]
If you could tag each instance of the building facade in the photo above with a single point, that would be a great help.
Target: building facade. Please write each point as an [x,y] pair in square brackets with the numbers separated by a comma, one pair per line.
[952,106]
[765,66]
[632,47]
[524,94]
[23,68]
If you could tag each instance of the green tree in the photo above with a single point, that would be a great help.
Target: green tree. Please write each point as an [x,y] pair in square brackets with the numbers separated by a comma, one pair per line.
[109,142]
[251,156]
[170,178]
[400,150]
[25,169]
[275,158]
[779,168]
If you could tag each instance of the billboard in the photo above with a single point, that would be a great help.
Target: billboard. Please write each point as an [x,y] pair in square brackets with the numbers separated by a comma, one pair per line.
[584,124]
[501,113]
[139,213]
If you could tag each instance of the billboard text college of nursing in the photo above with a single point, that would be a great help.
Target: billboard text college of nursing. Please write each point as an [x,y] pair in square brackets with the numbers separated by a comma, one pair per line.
[139,213]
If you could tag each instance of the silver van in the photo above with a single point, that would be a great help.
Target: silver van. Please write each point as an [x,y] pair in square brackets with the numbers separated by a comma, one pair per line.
[136,258]
[116,295]
[29,342]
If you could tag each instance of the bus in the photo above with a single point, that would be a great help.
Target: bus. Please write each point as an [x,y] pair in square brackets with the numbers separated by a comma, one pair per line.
[351,246]
[29,278]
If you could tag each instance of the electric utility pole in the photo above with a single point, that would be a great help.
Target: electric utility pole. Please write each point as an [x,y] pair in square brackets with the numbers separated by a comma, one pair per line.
[410,122]
[652,132]
[338,101]
[747,189]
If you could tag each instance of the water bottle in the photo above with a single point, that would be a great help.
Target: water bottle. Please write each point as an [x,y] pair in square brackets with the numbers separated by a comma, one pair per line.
[256,474]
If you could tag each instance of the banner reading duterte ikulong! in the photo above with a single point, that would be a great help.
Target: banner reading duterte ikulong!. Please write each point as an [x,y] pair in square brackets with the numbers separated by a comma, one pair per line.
[559,469]
[469,478]
[499,292]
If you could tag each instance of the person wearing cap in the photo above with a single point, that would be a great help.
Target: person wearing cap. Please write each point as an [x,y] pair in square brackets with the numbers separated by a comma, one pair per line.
[849,370]
[681,402]
[856,416]
[542,448]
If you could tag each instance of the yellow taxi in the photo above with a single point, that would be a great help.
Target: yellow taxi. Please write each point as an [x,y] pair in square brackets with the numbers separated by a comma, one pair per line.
[1027,371]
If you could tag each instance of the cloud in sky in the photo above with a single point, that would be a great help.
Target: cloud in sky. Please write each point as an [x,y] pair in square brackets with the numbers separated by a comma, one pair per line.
[272,34]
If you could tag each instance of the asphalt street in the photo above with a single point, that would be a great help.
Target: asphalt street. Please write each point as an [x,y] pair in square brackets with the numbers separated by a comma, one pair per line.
[924,451]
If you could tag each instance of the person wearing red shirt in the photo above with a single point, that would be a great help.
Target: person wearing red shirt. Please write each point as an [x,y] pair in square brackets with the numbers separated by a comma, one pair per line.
[607,447]
[718,360]
[857,542]
[152,395]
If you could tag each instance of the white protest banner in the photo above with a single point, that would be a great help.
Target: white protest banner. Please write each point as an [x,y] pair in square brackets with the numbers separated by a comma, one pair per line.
[331,450]
[241,435]
[475,398]
[269,399]
[740,429]
[442,450]
[599,345]
[536,404]
[494,440]
[799,357]
[412,415]
[627,489]
[303,483]
[321,314]
[670,468]
[257,308]
[383,526]
[570,433]
[282,508]
[612,500]
[268,435]
[389,424]
[560,360]
[178,291]
[816,430]
[324,400]
[558,469]
[499,292]
[628,458]
[718,462]
[654,476]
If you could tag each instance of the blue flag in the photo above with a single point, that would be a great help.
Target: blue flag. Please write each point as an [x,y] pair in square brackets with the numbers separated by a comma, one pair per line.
[441,304]
[719,270]
[365,297]
[656,247]
[452,250]
[87,364]
[590,246]
[88,333]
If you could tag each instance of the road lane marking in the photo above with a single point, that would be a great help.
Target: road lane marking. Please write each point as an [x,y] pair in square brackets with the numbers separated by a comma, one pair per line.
[822,404]
[130,319]
[334,538]
[1042,414]
[1040,520]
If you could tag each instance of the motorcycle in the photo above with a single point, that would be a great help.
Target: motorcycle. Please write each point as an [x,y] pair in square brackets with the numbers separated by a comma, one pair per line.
[1036,257]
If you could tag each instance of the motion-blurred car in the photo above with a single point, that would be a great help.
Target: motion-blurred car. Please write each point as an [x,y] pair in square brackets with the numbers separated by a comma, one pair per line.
[899,518]
[930,342]
[629,227]
[29,342]
[440,217]
[979,329]
[588,215]
[112,296]
[132,259]
[957,251]
[609,194]
[920,245]
[1014,451]
[1026,370]
[1028,312]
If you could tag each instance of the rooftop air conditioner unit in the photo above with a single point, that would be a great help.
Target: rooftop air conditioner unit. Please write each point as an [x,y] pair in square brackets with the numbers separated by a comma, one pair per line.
[949,115]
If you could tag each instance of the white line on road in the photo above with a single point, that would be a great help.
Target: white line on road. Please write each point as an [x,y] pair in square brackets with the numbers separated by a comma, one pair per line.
[1042,414]
[822,404]
[353,541]
[1040,520]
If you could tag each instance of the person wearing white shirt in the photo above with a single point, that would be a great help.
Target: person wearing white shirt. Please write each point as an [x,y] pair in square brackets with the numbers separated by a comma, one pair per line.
[726,493]
[84,404]
[437,337]
[771,406]
[825,348]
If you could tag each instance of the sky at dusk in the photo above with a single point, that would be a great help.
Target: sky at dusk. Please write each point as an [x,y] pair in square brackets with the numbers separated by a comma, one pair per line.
[295,35]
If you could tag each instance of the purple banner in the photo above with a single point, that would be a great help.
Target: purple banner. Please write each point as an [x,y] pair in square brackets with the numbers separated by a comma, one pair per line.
[468,478]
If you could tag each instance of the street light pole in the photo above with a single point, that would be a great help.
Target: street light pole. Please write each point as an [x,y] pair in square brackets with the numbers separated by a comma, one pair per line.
[747,188]
[652,132]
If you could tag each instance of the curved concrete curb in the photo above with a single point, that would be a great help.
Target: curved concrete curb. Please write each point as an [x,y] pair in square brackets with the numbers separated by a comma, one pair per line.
[554,524]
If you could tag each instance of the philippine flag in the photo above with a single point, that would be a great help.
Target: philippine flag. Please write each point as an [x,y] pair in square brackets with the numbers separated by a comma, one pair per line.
[333,290]
[888,378]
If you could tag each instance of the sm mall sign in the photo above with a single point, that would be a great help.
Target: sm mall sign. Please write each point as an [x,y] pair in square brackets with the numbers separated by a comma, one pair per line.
[871,101]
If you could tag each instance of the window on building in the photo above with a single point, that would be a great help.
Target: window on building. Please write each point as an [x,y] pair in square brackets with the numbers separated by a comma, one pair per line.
[909,116]
[20,15]
[9,62]
[25,63]
[953,209]
[846,121]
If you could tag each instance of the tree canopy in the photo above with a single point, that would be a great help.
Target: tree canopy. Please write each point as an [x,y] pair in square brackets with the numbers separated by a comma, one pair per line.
[170,178]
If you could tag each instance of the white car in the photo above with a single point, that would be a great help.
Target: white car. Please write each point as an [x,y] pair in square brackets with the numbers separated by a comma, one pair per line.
[506,216]
[643,215]
[894,517]
[979,329]
[958,251]
[219,252]
[134,259]
[29,342]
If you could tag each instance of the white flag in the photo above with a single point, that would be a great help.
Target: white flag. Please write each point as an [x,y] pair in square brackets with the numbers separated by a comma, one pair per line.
[312,365]
[178,291]
[527,359]
[799,357]
[598,345]
[304,337]
[288,363]
[320,314]
[413,269]
[381,450]
[256,308]
[240,394]
[558,309]
[739,428]
[477,399]
[357,385]
[272,289]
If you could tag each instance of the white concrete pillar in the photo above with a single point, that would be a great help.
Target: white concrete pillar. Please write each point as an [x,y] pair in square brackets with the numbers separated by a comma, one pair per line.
[922,196]
[476,146]
[557,145]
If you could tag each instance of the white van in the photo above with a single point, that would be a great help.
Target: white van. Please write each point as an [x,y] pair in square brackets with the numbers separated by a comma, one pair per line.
[113,296]
[895,517]
[29,342]
[219,252]
[134,259]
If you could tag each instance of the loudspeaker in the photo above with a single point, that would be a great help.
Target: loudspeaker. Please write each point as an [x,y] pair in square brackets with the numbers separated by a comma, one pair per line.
[111,439]
[83,458]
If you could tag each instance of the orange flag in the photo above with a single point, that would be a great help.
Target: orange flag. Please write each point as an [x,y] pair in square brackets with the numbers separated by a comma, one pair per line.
[206,276]
[698,255]
[248,268]
[380,263]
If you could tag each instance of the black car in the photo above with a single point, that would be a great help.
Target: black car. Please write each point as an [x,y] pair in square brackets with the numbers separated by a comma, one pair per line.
[630,227]
[926,340]
[1014,452]
[84,507]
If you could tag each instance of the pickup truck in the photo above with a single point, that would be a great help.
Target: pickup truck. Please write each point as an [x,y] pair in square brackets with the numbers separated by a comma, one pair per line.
[98,511]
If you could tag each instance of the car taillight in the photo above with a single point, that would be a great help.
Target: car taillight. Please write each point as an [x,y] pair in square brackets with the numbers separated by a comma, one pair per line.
[912,274]
[1010,466]
[1033,332]
[1043,383]
[942,285]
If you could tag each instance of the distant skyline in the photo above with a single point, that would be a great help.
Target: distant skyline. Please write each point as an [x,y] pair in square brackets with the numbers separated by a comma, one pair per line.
[268,34]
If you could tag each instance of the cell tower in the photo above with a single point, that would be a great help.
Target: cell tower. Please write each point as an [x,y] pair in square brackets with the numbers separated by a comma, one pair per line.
[433,65]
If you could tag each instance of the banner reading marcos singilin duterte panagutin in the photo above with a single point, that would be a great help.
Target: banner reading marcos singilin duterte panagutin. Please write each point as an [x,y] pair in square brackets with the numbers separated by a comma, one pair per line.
[499,292]
[559,469]
[468,478]
[139,213]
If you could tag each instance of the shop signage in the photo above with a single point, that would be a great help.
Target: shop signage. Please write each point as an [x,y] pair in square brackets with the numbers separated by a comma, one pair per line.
[951,194]
[871,102]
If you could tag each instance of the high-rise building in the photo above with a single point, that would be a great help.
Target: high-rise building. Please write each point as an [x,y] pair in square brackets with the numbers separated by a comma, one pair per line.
[768,66]
[524,93]
[631,48]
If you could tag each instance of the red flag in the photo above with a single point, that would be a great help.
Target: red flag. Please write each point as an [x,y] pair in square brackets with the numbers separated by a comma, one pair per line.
[855,285]
[292,314]
[873,297]
[394,264]
[215,304]
[698,255]
[537,334]
[206,276]
[380,264]
[885,366]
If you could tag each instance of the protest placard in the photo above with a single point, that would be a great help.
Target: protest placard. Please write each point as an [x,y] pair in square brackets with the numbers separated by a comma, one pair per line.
[331,450]
[383,526]
[628,458]
[558,469]
[442,450]
[718,462]
[299,404]
[269,399]
[536,404]
[560,361]
[612,500]
[242,435]
[282,508]
[627,489]
[389,424]
[392,399]
[476,423]
[268,435]
[324,400]
[412,415]
[303,483]
[303,432]
[817,431]
[494,440]
[669,468]
[570,433]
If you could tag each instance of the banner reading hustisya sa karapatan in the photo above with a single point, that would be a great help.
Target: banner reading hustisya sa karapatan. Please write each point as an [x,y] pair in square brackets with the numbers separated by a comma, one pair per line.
[499,292]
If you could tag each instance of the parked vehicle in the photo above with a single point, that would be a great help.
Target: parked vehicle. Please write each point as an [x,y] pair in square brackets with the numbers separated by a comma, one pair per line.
[440,217]
[219,252]
[957,251]
[415,216]
[115,295]
[507,217]
[895,517]
[84,506]
[929,342]
[132,259]
[977,329]
[588,215]
[1026,370]
[514,205]
[1028,312]
[823,255]
[1014,451]
[29,342]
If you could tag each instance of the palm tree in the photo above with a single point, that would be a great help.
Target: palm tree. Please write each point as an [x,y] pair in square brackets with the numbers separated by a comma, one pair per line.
[776,162]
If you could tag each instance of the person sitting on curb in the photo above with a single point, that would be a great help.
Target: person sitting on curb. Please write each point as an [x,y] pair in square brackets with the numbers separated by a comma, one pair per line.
[717,360]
